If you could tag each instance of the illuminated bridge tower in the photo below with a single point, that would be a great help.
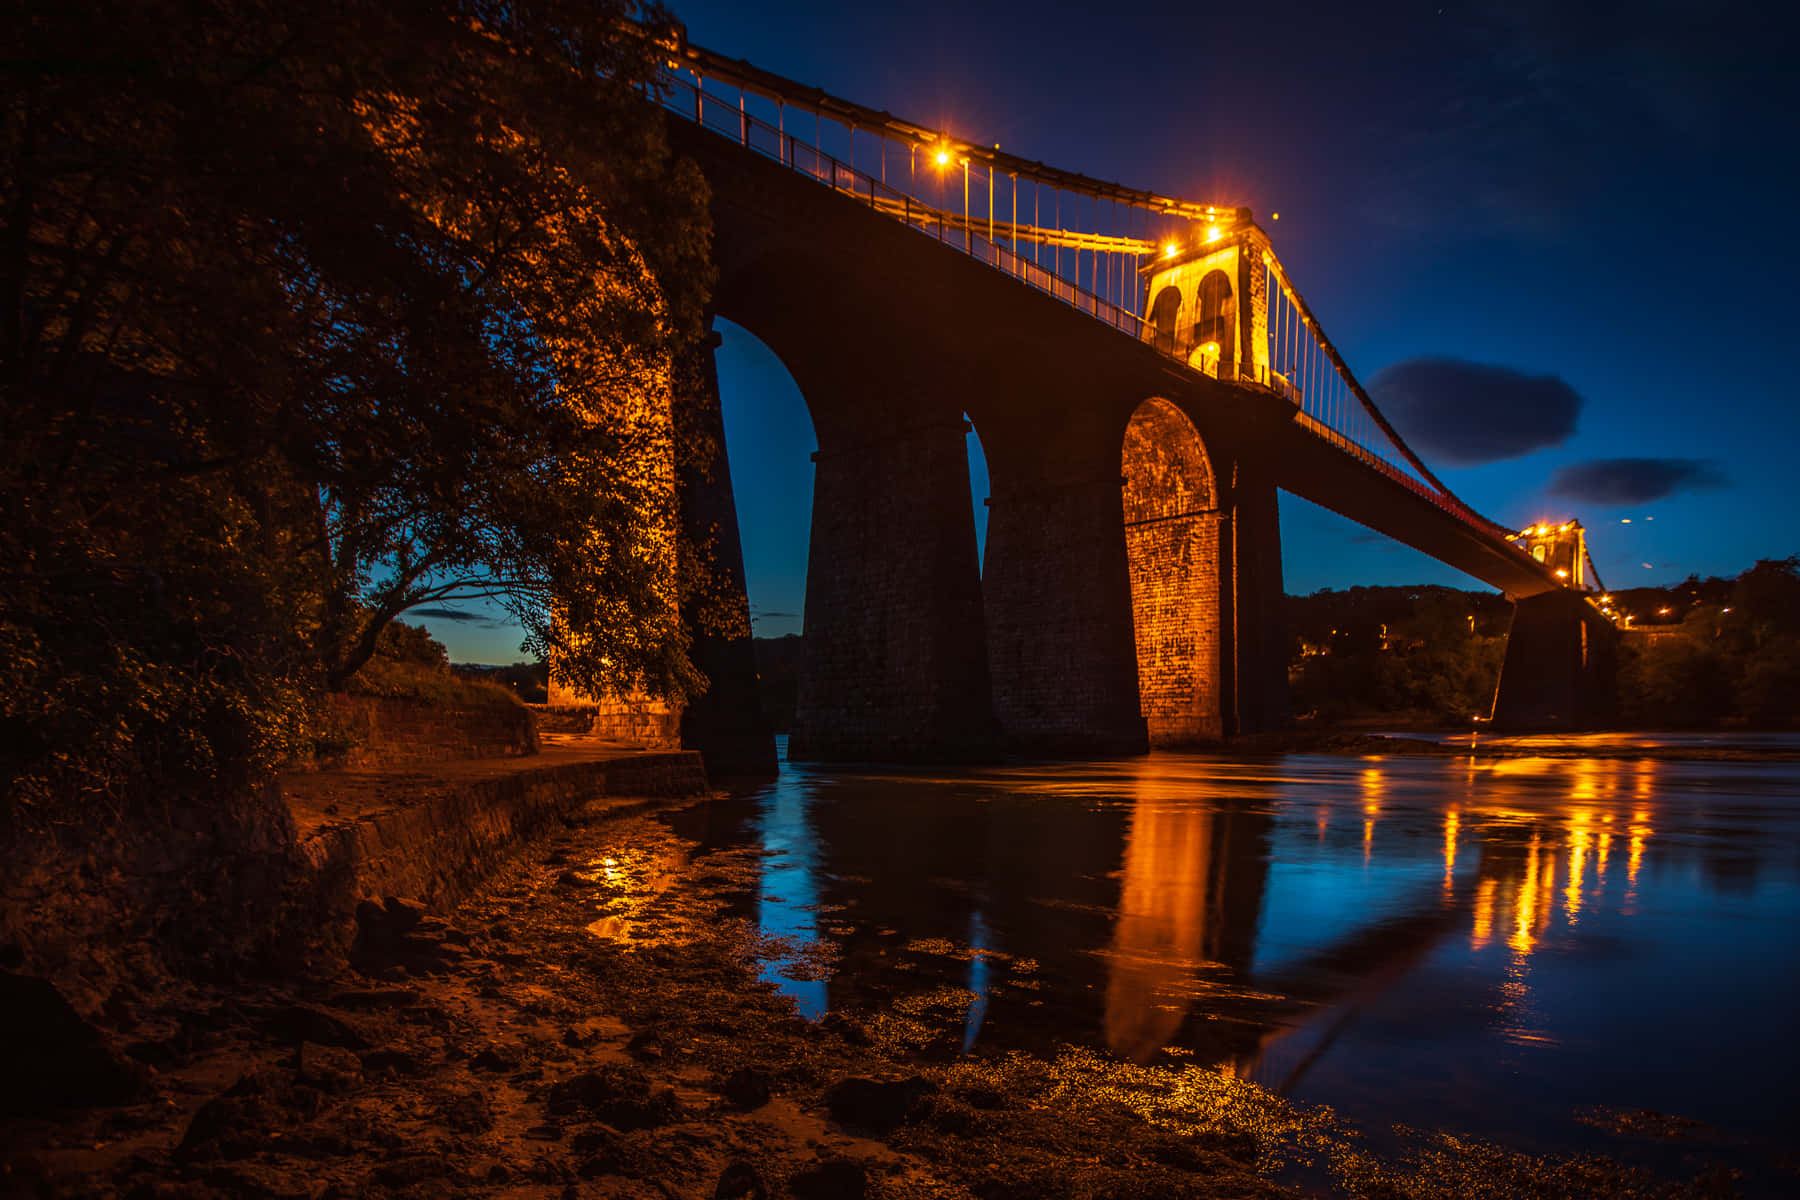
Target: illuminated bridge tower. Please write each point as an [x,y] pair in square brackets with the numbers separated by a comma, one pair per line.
[1208,300]
[1562,548]
[1562,651]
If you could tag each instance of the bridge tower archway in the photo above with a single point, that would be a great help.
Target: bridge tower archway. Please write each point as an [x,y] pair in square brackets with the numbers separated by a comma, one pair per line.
[1165,313]
[1172,541]
[1215,326]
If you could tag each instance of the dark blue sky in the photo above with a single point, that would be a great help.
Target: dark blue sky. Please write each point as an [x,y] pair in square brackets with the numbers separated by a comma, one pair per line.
[1600,194]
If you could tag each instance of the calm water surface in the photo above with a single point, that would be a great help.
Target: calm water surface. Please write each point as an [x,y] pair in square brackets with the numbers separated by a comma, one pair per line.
[1494,946]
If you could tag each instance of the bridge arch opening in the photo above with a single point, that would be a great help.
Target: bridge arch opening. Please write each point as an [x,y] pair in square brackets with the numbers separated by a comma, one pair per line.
[1215,326]
[1164,313]
[1172,547]
[979,489]
[769,443]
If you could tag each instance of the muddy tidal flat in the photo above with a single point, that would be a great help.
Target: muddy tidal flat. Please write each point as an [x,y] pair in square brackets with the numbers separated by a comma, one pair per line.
[714,1002]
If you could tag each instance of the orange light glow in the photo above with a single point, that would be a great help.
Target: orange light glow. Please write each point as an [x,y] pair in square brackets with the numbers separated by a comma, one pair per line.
[1212,233]
[1525,911]
[1484,915]
[943,158]
[1452,820]
[1169,249]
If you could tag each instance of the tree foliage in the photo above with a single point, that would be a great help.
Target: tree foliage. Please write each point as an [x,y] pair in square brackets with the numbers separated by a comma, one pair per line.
[311,313]
[1418,653]
[1729,650]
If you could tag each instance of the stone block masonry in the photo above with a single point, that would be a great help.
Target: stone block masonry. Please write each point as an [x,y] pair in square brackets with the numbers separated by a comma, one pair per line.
[895,665]
[385,732]
[433,836]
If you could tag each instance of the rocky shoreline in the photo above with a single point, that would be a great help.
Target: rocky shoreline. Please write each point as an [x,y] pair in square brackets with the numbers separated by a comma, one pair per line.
[591,1023]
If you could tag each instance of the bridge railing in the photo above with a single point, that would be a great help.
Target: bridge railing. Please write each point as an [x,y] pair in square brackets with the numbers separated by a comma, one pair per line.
[1321,391]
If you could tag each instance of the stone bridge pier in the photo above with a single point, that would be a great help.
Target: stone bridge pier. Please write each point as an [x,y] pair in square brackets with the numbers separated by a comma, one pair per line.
[1130,590]
[1560,668]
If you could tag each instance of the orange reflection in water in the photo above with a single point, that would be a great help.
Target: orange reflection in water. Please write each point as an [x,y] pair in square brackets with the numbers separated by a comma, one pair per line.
[1452,822]
[1160,935]
[1578,848]
[1374,786]
[1584,819]
[1484,913]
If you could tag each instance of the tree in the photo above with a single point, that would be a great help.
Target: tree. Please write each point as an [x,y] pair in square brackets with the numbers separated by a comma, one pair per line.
[312,312]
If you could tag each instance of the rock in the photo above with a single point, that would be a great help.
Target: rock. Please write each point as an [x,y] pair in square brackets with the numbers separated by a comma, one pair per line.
[747,1088]
[237,1124]
[495,1057]
[831,1179]
[403,913]
[309,1023]
[414,1168]
[466,1111]
[845,1026]
[399,937]
[740,1181]
[622,1096]
[399,1061]
[373,998]
[51,1058]
[645,1046]
[874,1104]
[328,1068]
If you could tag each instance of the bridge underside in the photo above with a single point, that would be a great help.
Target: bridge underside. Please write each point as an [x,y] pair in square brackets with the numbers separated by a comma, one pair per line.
[1101,621]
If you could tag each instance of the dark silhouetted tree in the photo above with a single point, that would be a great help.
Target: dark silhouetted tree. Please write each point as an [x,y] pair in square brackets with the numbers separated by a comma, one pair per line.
[312,312]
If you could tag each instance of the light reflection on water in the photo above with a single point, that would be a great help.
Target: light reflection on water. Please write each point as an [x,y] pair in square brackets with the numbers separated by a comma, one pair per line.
[1487,945]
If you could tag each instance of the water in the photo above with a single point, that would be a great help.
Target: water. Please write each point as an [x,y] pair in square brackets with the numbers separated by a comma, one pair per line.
[1518,949]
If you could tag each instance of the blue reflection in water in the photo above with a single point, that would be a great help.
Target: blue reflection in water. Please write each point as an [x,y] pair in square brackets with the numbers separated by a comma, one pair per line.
[787,905]
[979,946]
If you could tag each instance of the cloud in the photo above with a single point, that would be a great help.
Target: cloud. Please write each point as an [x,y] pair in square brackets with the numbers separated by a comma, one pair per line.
[764,615]
[457,615]
[1462,414]
[1633,480]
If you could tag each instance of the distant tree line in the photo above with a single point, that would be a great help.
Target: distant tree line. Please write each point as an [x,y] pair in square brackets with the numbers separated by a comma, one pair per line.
[1714,651]
[1415,655]
[313,311]
[1703,652]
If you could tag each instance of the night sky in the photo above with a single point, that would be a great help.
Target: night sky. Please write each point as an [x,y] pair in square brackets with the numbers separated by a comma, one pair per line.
[1555,240]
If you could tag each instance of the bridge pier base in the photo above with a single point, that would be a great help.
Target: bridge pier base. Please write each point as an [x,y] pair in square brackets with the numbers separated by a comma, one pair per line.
[1058,595]
[1257,617]
[1561,665]
[726,724]
[895,663]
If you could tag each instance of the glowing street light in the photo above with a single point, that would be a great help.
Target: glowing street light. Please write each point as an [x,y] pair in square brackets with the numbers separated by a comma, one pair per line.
[943,158]
[1169,249]
[1212,233]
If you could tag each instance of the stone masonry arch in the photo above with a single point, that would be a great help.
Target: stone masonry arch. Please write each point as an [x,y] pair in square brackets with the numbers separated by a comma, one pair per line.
[1171,514]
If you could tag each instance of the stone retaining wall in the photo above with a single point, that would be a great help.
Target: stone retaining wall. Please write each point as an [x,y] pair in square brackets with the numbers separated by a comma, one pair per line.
[385,732]
[436,849]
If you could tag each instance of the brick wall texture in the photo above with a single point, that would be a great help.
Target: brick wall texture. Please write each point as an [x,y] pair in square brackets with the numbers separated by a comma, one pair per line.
[1172,544]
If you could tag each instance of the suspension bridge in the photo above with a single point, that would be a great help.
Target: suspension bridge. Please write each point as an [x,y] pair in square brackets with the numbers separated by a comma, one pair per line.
[1143,374]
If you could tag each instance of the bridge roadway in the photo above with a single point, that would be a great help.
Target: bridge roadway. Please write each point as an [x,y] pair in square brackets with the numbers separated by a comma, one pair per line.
[915,649]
